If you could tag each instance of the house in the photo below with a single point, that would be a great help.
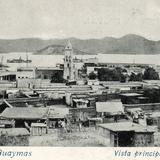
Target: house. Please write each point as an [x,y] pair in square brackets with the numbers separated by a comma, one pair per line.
[125,134]
[48,72]
[82,106]
[38,72]
[14,137]
[36,77]
[77,92]
[110,110]
[25,73]
[23,115]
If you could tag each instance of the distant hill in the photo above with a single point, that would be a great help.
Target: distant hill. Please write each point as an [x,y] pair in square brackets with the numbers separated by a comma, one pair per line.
[58,50]
[129,44]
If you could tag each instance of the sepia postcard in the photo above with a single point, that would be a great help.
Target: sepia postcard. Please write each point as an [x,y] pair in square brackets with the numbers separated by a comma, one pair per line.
[79,79]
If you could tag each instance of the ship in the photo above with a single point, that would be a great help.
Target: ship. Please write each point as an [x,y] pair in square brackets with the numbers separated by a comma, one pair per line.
[19,60]
[2,66]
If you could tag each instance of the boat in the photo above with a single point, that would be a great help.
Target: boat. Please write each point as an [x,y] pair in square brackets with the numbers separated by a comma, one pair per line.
[2,66]
[20,60]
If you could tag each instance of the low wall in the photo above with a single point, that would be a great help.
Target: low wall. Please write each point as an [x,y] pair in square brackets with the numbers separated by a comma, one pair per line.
[38,83]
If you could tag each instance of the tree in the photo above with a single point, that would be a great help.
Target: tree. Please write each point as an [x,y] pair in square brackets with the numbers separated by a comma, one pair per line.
[106,74]
[150,74]
[136,77]
[153,95]
[57,77]
[92,75]
[122,78]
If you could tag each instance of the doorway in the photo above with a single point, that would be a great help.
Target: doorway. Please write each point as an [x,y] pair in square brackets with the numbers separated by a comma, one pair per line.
[125,139]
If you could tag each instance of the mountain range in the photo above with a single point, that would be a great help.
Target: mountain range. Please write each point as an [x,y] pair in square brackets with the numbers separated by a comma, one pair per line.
[128,44]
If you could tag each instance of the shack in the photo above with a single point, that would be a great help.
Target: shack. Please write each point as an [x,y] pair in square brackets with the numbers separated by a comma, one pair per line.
[80,103]
[55,114]
[25,115]
[82,114]
[94,121]
[126,134]
[38,129]
[110,111]
[14,137]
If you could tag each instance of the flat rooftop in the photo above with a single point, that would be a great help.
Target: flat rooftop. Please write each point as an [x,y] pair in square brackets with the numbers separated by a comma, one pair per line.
[110,107]
[127,126]
[37,68]
[48,68]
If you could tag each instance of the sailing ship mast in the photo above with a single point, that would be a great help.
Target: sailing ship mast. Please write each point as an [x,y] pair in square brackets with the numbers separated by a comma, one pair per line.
[2,62]
[26,59]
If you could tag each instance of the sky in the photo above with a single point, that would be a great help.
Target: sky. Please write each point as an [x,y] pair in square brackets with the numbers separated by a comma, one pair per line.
[82,19]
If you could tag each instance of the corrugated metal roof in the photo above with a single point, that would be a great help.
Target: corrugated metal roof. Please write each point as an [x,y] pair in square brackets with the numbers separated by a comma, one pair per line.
[110,107]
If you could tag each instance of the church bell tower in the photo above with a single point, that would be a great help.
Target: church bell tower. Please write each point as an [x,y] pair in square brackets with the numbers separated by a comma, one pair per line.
[68,62]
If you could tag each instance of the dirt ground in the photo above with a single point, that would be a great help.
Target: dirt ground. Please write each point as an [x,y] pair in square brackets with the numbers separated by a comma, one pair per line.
[87,137]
